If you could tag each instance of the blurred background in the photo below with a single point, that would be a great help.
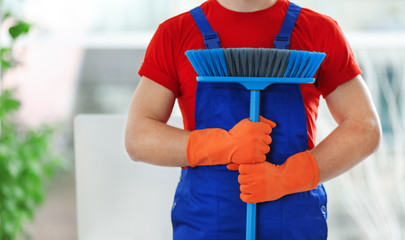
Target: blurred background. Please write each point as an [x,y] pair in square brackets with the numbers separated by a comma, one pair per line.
[82,56]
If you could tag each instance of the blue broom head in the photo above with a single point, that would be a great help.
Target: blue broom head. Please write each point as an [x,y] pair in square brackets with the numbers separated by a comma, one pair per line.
[255,62]
[210,62]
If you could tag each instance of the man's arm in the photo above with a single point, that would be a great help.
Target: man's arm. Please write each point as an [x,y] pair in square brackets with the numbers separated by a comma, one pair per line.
[147,137]
[358,133]
[150,140]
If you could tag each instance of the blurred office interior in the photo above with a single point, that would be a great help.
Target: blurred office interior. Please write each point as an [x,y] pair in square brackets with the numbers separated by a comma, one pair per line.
[82,56]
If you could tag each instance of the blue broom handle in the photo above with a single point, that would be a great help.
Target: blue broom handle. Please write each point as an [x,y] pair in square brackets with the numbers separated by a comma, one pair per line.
[251,207]
[254,105]
[251,221]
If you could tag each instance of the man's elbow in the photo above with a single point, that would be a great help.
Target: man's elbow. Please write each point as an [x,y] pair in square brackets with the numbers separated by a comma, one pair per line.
[132,147]
[374,134]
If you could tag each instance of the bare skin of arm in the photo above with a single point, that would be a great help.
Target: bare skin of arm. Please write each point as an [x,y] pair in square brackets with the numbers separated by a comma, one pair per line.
[358,133]
[150,139]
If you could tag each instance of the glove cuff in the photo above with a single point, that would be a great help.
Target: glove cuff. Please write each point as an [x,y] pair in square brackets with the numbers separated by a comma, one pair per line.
[208,147]
[313,165]
[303,172]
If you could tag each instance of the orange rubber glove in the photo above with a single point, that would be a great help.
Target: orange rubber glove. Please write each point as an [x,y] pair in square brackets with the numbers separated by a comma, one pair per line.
[267,182]
[246,142]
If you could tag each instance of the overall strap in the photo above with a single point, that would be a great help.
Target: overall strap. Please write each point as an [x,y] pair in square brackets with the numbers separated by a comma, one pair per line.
[282,40]
[211,39]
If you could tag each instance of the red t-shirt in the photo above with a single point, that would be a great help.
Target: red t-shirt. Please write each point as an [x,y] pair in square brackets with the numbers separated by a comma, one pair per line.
[166,63]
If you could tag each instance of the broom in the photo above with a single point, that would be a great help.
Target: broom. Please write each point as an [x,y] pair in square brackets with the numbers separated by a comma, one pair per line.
[255,69]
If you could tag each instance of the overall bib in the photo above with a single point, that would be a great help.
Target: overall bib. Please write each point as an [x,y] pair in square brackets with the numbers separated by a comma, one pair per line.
[207,205]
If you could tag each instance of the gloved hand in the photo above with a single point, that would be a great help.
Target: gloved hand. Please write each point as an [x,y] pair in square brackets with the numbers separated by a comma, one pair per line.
[267,182]
[246,142]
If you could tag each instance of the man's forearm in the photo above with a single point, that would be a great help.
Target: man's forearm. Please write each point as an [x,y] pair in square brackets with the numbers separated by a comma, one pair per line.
[350,143]
[156,143]
[147,136]
[358,133]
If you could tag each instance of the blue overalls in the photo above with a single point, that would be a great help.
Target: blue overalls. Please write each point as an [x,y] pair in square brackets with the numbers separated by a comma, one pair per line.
[207,205]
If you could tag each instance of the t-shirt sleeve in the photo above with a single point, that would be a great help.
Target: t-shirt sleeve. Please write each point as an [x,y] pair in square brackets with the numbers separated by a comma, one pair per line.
[339,65]
[159,64]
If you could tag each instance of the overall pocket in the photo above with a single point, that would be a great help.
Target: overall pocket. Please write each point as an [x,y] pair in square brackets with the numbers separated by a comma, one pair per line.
[304,215]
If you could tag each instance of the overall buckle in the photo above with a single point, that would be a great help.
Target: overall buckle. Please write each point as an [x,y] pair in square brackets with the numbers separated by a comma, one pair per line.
[211,40]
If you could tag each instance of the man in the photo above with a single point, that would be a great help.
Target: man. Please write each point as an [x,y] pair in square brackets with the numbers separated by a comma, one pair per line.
[225,158]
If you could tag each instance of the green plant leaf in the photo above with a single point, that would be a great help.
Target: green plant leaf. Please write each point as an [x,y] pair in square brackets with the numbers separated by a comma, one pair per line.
[5,65]
[26,157]
[10,204]
[5,190]
[4,150]
[9,229]
[18,193]
[6,15]
[20,28]
[34,168]
[5,51]
[8,103]
[14,168]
